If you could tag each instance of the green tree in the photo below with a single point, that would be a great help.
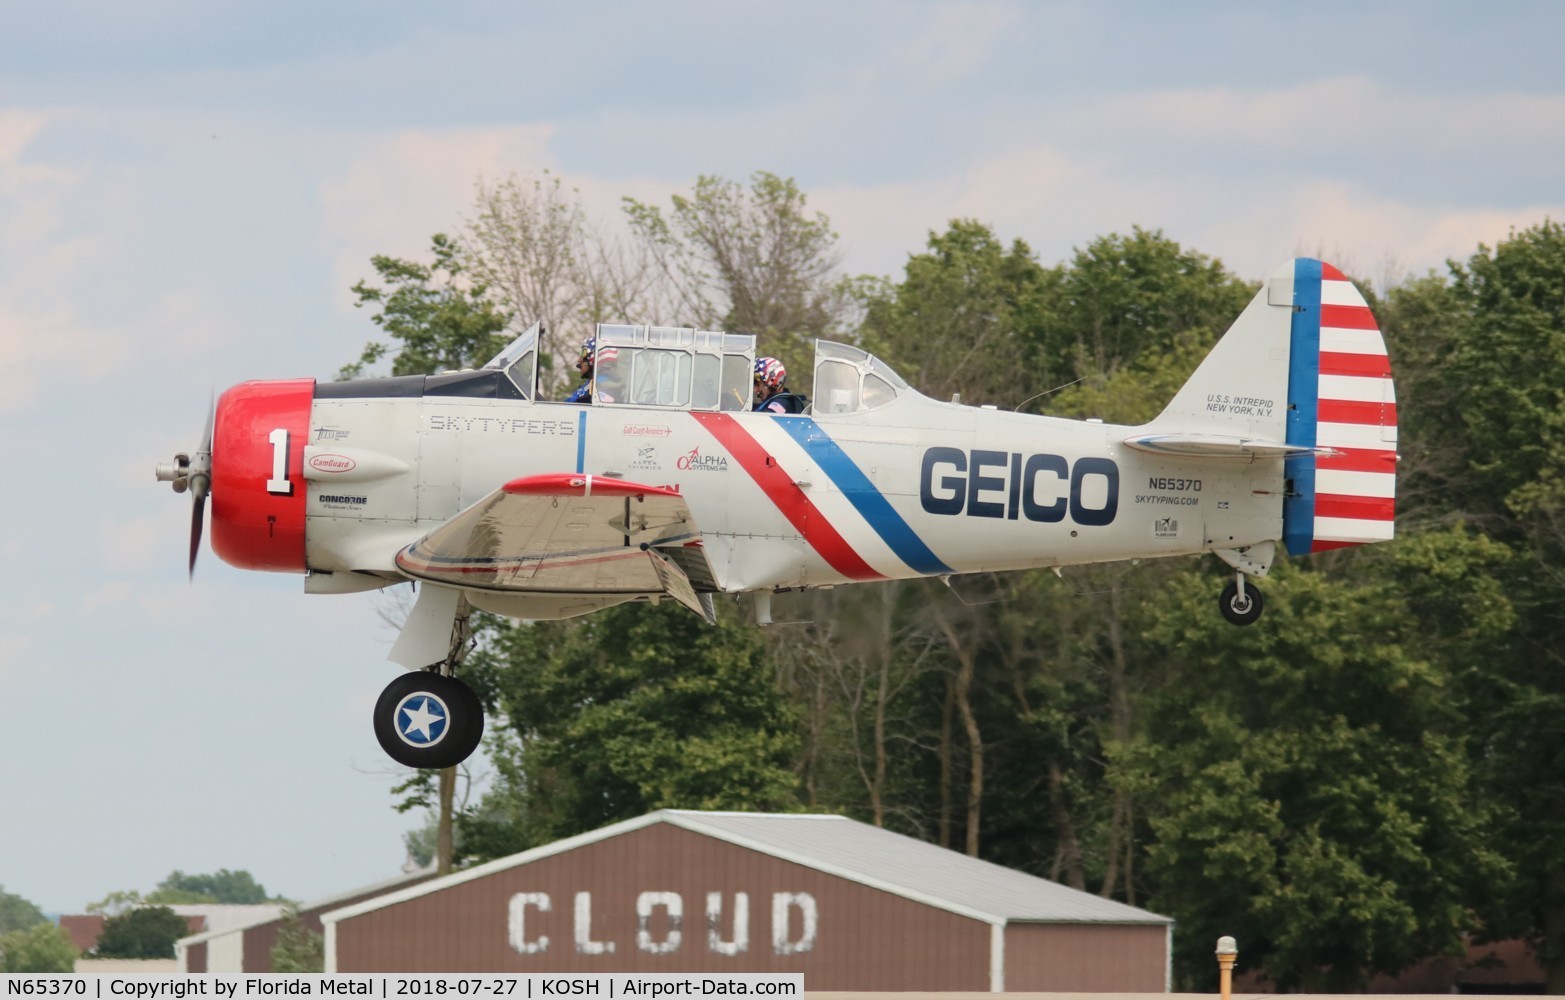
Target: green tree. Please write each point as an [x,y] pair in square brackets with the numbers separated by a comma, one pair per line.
[221,886]
[1036,675]
[1501,388]
[856,665]
[1307,780]
[17,914]
[42,947]
[753,260]
[442,797]
[528,245]
[956,321]
[636,708]
[116,902]
[1489,424]
[1122,297]
[145,932]
[299,948]
[532,246]
[1127,315]
[1420,318]
[438,319]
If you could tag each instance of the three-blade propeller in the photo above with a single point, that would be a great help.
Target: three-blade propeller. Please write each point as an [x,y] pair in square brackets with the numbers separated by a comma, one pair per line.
[193,473]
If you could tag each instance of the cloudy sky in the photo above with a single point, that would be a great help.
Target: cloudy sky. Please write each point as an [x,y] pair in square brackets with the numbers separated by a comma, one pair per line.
[188,189]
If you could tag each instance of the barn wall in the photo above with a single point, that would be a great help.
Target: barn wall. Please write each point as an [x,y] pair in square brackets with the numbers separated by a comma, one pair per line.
[260,939]
[195,957]
[1086,958]
[225,952]
[259,942]
[861,939]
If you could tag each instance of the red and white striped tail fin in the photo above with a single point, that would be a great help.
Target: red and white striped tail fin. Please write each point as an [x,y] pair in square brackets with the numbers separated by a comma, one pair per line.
[1341,404]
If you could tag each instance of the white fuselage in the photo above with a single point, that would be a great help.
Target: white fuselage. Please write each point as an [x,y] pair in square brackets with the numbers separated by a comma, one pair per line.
[915,487]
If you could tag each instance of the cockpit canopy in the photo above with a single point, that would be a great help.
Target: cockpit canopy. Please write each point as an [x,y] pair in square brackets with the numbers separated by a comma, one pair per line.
[848,379]
[688,369]
[673,366]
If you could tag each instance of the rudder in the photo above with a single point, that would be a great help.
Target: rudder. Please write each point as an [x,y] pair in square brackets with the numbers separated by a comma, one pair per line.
[1342,405]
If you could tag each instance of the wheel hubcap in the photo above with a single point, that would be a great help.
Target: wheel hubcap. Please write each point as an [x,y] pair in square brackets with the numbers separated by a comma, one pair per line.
[421,719]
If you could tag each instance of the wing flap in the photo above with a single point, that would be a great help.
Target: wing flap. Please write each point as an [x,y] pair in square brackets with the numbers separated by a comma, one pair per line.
[561,533]
[677,585]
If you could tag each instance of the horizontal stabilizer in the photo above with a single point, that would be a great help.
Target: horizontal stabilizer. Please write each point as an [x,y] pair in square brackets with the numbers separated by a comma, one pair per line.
[1219,446]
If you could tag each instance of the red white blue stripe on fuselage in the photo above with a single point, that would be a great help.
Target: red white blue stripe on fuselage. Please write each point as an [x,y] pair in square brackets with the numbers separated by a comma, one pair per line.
[830,533]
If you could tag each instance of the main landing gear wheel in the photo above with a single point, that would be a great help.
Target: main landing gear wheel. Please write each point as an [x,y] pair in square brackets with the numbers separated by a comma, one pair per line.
[1240,609]
[428,720]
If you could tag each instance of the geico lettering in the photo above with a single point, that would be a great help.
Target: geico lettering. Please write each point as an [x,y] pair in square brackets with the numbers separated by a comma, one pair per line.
[1044,488]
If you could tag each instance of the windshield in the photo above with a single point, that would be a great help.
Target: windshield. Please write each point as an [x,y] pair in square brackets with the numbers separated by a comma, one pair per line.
[848,379]
[519,360]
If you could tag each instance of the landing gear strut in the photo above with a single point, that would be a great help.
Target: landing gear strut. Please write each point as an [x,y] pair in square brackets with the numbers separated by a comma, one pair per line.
[1240,602]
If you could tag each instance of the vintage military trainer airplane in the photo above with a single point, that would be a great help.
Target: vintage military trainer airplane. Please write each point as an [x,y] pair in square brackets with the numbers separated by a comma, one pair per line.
[491,498]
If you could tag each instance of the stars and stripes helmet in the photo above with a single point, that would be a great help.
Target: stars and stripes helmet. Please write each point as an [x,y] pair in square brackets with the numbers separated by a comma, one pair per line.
[770,372]
[589,348]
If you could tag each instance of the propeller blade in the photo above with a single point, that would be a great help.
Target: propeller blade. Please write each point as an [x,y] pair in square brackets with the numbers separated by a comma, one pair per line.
[197,512]
[201,484]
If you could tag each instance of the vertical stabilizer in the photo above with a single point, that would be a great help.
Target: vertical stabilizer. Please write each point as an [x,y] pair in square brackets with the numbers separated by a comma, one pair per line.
[1303,370]
[1240,388]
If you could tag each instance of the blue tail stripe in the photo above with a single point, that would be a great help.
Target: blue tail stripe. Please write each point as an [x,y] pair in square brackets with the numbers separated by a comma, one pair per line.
[866,499]
[1298,508]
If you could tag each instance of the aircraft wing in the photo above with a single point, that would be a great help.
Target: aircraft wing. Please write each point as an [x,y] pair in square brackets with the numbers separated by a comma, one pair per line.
[565,533]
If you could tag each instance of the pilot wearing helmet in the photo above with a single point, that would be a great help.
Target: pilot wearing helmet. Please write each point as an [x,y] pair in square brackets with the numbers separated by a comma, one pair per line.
[771,391]
[605,363]
[584,364]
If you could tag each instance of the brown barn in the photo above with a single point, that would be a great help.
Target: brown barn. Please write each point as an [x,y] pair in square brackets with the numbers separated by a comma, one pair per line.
[247,947]
[851,906]
[86,928]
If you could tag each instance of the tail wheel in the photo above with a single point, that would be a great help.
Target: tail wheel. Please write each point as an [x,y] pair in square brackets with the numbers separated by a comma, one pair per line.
[428,720]
[1240,609]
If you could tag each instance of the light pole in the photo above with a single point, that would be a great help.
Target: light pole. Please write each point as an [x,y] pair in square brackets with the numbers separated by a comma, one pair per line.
[1227,954]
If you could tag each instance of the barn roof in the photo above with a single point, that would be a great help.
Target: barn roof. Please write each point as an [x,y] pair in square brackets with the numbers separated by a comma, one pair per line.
[847,849]
[277,913]
[911,867]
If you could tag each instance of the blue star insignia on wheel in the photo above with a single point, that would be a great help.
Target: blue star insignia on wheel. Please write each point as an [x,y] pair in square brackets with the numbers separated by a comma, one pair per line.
[422,719]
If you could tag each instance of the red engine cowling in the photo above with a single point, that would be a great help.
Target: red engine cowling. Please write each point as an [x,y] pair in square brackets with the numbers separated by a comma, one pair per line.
[258,487]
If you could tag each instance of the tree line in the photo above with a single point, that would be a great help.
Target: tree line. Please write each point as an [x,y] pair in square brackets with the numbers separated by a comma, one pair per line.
[1371,775]
[138,926]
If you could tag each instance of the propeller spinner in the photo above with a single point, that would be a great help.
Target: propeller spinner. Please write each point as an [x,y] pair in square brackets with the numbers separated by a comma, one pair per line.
[193,473]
